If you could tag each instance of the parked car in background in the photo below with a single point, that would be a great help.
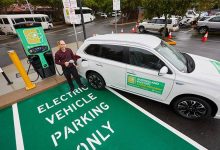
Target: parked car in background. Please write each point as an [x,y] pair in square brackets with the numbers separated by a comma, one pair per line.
[218,13]
[7,22]
[118,13]
[210,24]
[192,14]
[104,15]
[147,66]
[186,21]
[157,24]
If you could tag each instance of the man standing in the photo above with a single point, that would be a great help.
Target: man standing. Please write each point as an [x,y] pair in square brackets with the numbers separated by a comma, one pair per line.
[65,57]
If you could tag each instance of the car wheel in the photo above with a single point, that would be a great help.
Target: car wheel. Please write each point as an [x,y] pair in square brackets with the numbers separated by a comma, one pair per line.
[96,80]
[203,30]
[192,108]
[141,29]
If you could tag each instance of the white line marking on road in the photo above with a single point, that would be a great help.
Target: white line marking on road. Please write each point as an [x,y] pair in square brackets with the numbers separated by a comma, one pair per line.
[17,126]
[189,140]
[74,34]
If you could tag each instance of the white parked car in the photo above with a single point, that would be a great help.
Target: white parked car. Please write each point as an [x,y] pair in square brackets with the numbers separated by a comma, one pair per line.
[210,24]
[104,15]
[157,24]
[186,21]
[147,66]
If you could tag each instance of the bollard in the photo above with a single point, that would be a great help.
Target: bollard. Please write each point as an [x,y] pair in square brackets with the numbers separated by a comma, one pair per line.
[5,76]
[14,57]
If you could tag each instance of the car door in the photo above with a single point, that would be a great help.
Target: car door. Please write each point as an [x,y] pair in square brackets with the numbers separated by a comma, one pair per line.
[150,24]
[214,24]
[142,75]
[108,60]
[160,23]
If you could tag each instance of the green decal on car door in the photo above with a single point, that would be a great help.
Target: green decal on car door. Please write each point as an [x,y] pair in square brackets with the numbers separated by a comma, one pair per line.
[216,64]
[146,84]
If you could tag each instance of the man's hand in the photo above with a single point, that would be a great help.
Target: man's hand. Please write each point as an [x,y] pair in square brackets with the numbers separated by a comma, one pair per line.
[67,64]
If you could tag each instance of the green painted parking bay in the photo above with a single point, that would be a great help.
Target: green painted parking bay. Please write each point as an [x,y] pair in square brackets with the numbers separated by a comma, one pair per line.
[85,119]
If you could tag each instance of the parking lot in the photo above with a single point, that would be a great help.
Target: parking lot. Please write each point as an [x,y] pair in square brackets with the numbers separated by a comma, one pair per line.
[205,132]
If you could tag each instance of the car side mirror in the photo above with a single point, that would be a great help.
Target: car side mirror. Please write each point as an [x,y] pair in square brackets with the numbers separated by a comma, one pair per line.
[163,71]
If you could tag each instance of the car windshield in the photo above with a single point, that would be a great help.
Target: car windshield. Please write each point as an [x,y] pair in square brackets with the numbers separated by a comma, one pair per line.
[173,56]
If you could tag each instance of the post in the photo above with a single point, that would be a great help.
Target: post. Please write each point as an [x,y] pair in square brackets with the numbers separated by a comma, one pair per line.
[21,70]
[5,76]
[74,27]
[116,30]
[82,19]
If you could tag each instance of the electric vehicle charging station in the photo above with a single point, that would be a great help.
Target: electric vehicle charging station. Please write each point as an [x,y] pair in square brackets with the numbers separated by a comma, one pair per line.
[36,47]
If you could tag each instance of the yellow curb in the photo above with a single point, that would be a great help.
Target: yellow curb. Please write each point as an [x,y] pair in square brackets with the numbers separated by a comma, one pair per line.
[170,42]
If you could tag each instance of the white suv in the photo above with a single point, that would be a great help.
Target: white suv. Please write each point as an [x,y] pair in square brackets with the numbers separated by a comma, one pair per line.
[157,24]
[147,66]
[209,24]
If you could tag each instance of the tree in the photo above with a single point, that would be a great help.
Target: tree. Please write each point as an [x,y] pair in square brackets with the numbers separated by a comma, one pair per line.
[131,8]
[165,7]
[5,3]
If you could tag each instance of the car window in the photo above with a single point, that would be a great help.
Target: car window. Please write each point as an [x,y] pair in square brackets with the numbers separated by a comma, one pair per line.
[145,59]
[5,20]
[169,21]
[203,18]
[93,49]
[29,19]
[1,22]
[47,19]
[37,19]
[215,19]
[160,21]
[113,52]
[172,55]
[43,19]
[152,21]
[18,20]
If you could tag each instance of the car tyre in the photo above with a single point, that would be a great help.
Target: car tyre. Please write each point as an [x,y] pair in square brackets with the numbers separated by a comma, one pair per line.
[141,29]
[203,30]
[96,80]
[192,108]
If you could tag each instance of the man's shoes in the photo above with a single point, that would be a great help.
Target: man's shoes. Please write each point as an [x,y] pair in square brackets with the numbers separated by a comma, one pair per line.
[71,89]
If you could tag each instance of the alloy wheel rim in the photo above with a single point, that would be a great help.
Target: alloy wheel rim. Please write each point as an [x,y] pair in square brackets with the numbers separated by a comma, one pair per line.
[95,81]
[191,109]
